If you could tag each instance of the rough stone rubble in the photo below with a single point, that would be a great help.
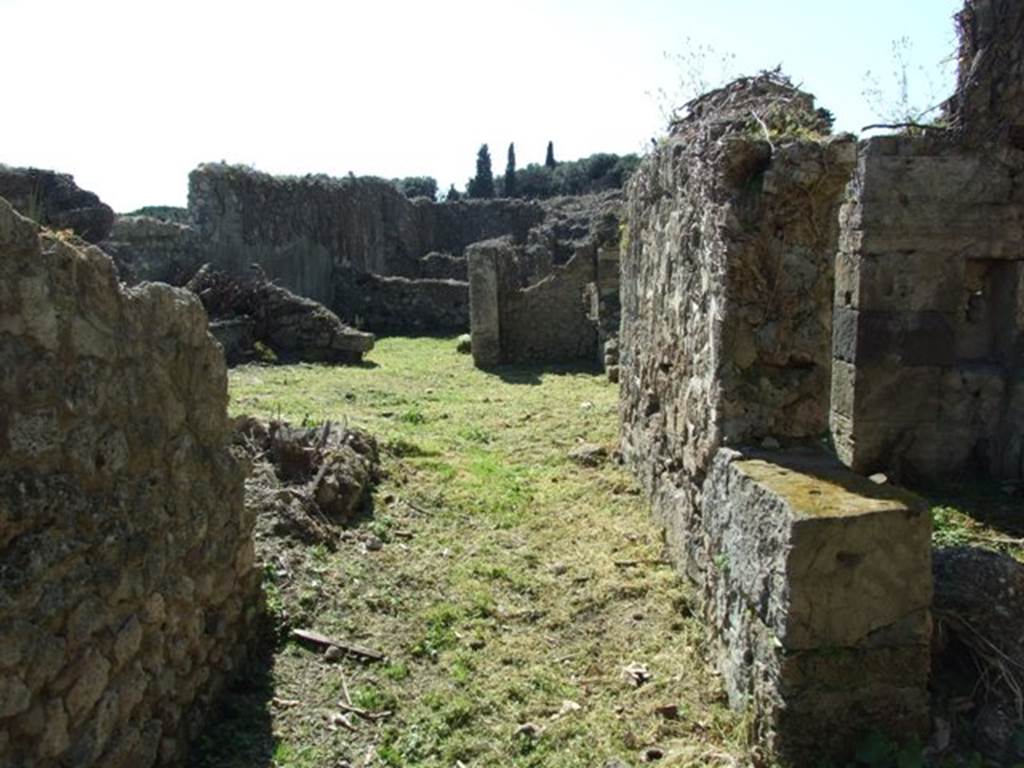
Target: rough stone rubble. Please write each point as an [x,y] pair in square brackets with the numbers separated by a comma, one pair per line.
[128,590]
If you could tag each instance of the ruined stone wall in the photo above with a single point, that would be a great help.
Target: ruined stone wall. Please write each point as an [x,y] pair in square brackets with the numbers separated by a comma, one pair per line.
[725,354]
[726,298]
[54,200]
[126,556]
[400,304]
[548,321]
[989,104]
[929,318]
[155,250]
[302,230]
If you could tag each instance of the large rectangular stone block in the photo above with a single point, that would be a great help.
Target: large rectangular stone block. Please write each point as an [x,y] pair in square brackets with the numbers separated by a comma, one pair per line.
[820,583]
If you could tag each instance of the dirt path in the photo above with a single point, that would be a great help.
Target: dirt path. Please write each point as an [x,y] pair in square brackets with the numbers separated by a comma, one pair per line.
[508,586]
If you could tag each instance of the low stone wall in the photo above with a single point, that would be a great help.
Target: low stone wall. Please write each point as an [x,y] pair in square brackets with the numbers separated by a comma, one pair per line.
[155,250]
[127,584]
[402,305]
[928,380]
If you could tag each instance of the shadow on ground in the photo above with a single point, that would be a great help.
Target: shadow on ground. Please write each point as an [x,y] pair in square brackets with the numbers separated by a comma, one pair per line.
[239,733]
[533,373]
[985,502]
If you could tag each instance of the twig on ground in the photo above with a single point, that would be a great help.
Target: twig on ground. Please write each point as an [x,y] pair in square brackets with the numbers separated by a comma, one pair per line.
[323,640]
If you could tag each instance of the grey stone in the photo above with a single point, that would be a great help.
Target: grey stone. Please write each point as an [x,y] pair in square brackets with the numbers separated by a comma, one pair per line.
[54,200]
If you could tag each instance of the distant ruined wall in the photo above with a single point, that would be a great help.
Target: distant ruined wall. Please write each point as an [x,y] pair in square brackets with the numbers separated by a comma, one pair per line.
[547,321]
[155,250]
[127,585]
[816,582]
[400,305]
[302,230]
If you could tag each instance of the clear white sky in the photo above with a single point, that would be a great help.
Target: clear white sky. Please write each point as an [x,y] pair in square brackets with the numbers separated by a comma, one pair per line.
[129,95]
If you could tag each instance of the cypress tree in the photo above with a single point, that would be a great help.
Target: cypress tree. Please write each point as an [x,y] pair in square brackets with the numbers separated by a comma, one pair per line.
[510,172]
[549,159]
[453,194]
[482,185]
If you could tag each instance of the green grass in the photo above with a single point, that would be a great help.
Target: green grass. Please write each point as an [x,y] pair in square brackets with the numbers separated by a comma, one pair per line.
[496,596]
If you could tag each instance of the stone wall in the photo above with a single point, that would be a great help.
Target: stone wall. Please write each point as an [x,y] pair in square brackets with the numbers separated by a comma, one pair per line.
[816,582]
[301,231]
[127,585]
[989,103]
[929,318]
[400,304]
[54,200]
[819,584]
[548,321]
[155,250]
[727,295]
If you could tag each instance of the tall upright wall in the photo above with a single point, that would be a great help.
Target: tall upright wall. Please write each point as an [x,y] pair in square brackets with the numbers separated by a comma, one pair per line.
[301,230]
[816,582]
[929,373]
[127,584]
[928,380]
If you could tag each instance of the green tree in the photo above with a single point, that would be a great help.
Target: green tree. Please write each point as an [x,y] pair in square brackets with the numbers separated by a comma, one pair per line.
[453,194]
[482,185]
[417,186]
[510,172]
[549,158]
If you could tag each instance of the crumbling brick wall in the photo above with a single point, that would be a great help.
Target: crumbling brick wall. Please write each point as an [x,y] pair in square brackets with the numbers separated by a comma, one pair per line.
[127,585]
[816,583]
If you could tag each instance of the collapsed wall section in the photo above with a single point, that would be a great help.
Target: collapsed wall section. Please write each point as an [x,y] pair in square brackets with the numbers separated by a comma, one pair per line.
[127,585]
[816,582]
[54,200]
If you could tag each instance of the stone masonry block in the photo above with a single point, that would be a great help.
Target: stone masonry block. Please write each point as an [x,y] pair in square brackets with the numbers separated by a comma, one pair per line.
[905,338]
[820,582]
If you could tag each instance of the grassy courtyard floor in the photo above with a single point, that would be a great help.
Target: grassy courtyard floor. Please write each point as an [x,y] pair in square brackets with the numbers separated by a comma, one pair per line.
[512,588]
